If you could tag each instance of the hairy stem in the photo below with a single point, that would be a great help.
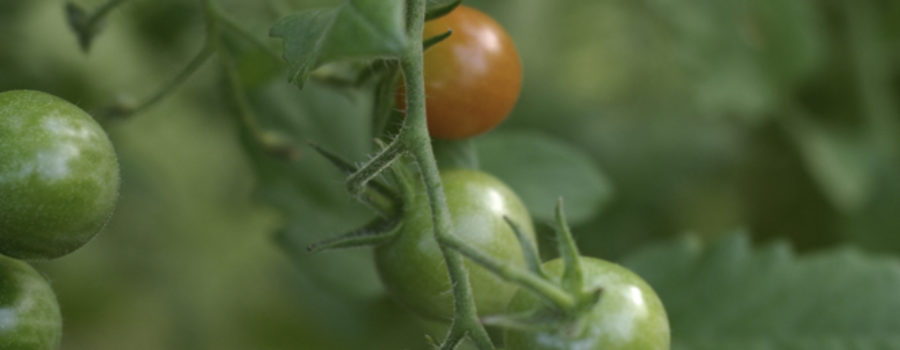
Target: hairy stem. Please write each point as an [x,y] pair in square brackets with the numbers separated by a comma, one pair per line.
[356,182]
[416,139]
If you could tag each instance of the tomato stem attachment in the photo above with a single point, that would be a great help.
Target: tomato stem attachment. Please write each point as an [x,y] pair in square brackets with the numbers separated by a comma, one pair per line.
[573,275]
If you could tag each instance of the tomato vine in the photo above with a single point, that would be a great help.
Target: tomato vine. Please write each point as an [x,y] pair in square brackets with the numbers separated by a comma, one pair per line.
[391,38]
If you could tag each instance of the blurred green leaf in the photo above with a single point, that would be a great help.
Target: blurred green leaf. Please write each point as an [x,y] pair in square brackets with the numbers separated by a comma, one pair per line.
[77,18]
[786,39]
[356,29]
[875,224]
[729,295]
[309,192]
[840,160]
[541,169]
[255,63]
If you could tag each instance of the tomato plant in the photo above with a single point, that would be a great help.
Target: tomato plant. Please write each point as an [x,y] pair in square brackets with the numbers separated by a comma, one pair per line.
[472,78]
[628,316]
[59,178]
[454,246]
[412,267]
[29,313]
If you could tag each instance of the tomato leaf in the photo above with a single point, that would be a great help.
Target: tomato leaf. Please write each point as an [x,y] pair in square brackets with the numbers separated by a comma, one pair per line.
[255,63]
[356,29]
[841,161]
[541,169]
[875,225]
[728,295]
[308,192]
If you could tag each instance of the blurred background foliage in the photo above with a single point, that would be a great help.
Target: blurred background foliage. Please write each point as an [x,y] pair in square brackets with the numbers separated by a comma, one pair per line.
[778,117]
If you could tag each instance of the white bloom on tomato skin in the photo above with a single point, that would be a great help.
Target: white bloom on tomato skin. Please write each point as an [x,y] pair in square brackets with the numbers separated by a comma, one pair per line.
[51,162]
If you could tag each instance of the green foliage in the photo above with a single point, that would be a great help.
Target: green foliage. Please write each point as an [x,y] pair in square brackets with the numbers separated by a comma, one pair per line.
[729,295]
[564,172]
[777,116]
[355,29]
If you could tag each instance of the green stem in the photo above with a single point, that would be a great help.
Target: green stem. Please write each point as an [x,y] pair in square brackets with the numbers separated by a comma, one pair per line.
[416,139]
[378,196]
[374,233]
[177,80]
[524,278]
[356,182]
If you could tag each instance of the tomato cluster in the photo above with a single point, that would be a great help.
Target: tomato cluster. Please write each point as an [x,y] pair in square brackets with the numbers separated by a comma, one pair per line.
[59,180]
[472,81]
[628,315]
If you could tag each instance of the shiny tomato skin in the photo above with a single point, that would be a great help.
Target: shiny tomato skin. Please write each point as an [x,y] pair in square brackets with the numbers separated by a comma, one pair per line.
[412,266]
[59,176]
[29,314]
[629,315]
[472,78]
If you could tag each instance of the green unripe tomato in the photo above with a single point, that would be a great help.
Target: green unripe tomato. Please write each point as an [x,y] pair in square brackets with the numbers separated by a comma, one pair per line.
[412,266]
[29,313]
[59,177]
[629,315]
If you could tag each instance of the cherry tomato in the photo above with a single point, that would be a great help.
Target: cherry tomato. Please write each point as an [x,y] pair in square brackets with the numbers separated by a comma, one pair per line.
[629,315]
[472,78]
[29,313]
[59,177]
[412,266]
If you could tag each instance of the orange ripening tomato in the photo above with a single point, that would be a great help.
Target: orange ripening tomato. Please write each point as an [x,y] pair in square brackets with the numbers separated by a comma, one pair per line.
[472,78]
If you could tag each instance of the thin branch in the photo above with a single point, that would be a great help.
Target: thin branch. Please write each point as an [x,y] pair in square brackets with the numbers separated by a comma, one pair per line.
[356,182]
[532,281]
[199,59]
[374,233]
